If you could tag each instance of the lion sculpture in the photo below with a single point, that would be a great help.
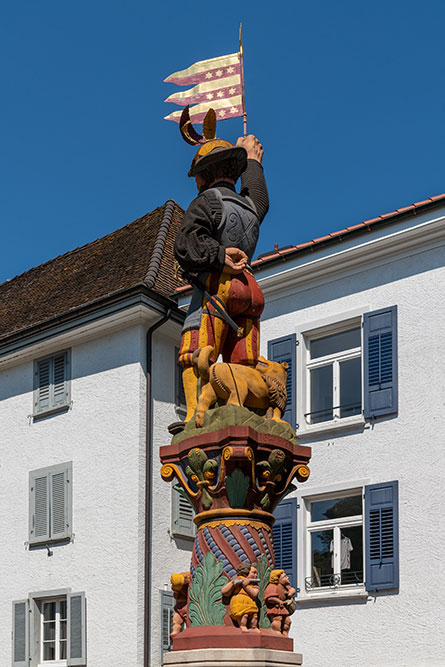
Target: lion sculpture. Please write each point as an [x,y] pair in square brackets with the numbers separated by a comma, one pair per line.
[262,387]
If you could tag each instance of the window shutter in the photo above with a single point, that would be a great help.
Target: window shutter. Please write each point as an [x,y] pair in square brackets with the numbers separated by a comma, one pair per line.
[182,515]
[20,633]
[76,629]
[380,362]
[39,529]
[167,611]
[285,538]
[60,495]
[284,349]
[42,399]
[60,367]
[382,536]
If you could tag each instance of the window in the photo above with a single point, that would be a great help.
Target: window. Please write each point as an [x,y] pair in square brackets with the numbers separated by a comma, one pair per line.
[50,503]
[179,387]
[53,630]
[334,541]
[49,630]
[52,383]
[334,382]
[182,514]
[346,369]
[339,541]
[167,611]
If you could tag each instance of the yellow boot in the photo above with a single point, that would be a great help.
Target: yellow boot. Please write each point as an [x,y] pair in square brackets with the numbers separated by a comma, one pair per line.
[190,383]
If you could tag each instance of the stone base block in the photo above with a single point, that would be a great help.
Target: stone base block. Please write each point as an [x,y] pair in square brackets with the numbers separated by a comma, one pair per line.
[232,657]
[228,637]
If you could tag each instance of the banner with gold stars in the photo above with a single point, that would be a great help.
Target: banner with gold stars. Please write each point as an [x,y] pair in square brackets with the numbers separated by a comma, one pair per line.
[218,86]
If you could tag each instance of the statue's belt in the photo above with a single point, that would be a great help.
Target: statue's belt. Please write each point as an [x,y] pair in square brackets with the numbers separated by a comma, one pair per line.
[218,304]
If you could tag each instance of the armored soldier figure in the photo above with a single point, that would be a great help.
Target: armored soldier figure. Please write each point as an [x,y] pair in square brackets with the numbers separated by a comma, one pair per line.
[216,243]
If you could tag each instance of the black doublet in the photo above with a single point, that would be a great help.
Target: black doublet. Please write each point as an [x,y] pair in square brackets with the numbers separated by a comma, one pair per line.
[196,247]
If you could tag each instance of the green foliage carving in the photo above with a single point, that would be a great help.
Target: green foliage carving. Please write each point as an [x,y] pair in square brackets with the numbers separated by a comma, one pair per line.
[202,469]
[263,575]
[205,605]
[275,466]
[237,485]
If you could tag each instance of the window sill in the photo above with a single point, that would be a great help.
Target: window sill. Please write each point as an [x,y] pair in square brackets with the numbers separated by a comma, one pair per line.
[53,663]
[51,411]
[323,596]
[347,424]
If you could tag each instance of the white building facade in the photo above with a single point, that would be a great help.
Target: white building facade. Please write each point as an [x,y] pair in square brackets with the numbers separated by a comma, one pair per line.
[85,400]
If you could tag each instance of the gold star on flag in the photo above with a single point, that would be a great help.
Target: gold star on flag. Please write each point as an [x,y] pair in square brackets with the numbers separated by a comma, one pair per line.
[209,75]
[230,70]
[219,72]
[232,91]
[209,96]
[219,94]
[222,113]
[233,110]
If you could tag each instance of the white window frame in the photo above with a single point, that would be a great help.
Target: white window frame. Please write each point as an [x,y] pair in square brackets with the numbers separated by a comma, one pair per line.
[304,528]
[58,662]
[317,329]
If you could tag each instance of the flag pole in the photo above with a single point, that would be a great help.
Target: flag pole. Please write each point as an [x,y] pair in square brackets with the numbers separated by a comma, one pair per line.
[243,97]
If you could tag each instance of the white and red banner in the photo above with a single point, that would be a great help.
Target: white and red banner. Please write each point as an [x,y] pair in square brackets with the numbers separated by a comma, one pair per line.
[218,86]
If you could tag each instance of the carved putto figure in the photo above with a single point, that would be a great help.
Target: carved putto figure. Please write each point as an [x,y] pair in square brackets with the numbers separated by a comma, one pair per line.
[279,598]
[180,582]
[243,591]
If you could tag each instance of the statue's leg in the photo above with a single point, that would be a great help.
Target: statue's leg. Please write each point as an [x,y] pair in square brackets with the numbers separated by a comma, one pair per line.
[189,343]
[286,626]
[177,623]
[206,399]
[276,624]
[254,622]
[239,393]
[243,622]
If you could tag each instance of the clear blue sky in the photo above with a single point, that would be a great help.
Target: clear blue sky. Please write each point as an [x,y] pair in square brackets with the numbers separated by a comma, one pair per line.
[347,97]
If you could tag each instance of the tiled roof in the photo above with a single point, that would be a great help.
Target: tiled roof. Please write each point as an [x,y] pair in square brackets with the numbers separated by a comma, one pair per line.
[340,235]
[141,252]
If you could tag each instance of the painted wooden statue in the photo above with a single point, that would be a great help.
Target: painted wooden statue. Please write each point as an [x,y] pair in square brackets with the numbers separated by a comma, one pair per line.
[279,598]
[243,591]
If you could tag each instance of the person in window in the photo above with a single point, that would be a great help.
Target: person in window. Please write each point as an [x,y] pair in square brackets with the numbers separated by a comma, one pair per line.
[279,599]
[180,582]
[243,591]
[216,242]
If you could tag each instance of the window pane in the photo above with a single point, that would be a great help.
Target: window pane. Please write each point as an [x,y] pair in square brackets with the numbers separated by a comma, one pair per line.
[321,394]
[322,573]
[49,630]
[62,651]
[350,387]
[49,611]
[62,629]
[49,651]
[345,340]
[62,608]
[352,555]
[336,508]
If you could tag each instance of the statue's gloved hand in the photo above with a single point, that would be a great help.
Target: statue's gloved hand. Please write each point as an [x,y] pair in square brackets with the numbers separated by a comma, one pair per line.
[253,147]
[235,261]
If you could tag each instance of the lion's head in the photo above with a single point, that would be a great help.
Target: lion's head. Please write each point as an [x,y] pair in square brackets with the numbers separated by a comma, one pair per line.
[275,376]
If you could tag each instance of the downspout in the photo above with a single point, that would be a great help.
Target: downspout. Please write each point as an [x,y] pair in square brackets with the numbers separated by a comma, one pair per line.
[149,488]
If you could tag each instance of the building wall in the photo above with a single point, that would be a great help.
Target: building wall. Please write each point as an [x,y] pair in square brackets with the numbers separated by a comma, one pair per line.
[402,629]
[102,435]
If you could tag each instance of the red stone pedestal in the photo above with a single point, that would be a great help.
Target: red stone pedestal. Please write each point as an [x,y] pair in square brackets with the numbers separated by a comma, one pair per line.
[222,636]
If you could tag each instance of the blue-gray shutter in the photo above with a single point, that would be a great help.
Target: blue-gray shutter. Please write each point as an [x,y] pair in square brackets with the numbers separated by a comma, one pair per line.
[42,400]
[20,633]
[382,536]
[39,500]
[76,621]
[284,349]
[60,379]
[60,485]
[285,538]
[167,611]
[182,515]
[380,362]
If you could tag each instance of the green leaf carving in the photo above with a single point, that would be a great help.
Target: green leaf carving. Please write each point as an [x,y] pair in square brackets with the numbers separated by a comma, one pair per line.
[237,485]
[263,575]
[205,605]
